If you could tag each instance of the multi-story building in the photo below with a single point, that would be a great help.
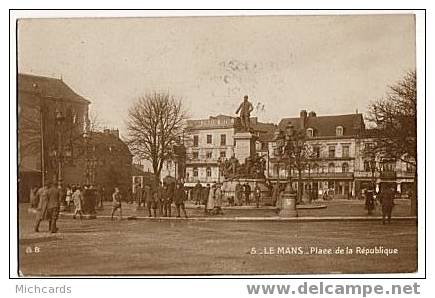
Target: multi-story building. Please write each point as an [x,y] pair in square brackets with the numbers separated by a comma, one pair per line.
[55,141]
[211,141]
[332,144]
[106,160]
[373,170]
[51,119]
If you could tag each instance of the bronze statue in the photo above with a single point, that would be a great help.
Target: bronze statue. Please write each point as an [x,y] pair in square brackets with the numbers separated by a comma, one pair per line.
[245,110]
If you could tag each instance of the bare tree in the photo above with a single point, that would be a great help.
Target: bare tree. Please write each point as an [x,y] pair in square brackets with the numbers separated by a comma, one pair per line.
[395,116]
[155,124]
[296,152]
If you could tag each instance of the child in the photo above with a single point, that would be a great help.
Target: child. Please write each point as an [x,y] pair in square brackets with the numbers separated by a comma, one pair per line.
[116,203]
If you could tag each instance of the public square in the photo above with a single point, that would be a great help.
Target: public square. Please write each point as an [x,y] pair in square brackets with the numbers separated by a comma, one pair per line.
[185,247]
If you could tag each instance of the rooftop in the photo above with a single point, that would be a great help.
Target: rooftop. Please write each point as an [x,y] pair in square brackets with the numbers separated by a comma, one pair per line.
[48,88]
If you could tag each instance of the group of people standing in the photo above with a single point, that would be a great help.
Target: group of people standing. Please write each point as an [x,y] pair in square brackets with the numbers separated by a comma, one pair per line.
[385,199]
[158,198]
[213,195]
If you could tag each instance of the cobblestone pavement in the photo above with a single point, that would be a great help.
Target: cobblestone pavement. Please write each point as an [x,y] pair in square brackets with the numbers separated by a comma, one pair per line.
[105,247]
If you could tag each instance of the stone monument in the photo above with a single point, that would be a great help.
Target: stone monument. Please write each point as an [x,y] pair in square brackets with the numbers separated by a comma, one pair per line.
[244,139]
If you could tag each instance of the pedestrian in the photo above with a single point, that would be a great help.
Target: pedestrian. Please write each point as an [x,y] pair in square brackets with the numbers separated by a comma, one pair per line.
[275,194]
[157,198]
[179,198]
[42,197]
[257,194]
[370,201]
[50,203]
[129,196]
[116,203]
[211,200]
[205,196]
[167,195]
[138,194]
[197,190]
[148,198]
[34,202]
[238,191]
[218,200]
[386,198]
[68,197]
[247,191]
[77,198]
[103,195]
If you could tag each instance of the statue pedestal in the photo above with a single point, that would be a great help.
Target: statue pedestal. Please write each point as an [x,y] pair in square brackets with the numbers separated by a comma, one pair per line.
[245,145]
[288,205]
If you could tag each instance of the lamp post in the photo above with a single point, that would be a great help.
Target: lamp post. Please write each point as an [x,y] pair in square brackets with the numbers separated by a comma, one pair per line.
[59,151]
[372,163]
[285,140]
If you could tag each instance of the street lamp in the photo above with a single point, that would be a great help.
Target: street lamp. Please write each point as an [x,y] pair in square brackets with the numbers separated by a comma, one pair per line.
[59,119]
[286,148]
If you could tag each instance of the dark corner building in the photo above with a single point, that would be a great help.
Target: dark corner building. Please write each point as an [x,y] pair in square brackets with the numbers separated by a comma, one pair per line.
[56,143]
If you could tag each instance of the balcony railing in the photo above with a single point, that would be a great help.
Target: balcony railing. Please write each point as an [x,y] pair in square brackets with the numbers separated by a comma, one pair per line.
[387,175]
[335,175]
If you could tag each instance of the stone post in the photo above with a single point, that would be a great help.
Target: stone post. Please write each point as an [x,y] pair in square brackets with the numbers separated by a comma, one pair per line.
[288,203]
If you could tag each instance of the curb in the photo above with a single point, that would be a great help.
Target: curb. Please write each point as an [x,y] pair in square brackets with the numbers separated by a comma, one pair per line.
[275,218]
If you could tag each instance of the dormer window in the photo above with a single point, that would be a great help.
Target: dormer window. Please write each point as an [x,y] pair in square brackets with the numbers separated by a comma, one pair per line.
[310,132]
[339,131]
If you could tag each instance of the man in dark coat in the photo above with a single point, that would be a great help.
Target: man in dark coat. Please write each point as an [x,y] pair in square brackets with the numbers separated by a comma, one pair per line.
[49,207]
[370,201]
[247,190]
[386,198]
[197,191]
[147,196]
[179,198]
[138,194]
[167,196]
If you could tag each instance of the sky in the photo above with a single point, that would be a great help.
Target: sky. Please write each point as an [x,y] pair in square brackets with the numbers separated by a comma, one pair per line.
[328,64]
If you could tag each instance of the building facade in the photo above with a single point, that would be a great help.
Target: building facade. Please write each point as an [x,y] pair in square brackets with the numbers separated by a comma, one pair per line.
[52,119]
[209,141]
[332,143]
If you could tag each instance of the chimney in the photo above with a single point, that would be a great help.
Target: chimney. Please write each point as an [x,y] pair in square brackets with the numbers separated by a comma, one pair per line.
[303,119]
[312,114]
[115,133]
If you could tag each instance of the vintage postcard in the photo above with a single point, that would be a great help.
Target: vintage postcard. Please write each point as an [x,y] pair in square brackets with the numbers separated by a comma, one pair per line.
[217,145]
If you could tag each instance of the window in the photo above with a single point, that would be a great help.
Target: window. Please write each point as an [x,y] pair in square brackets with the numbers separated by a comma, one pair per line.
[195,172]
[208,154]
[310,133]
[345,167]
[209,139]
[339,131]
[410,168]
[264,146]
[316,150]
[195,155]
[223,140]
[315,168]
[388,166]
[223,154]
[331,152]
[195,141]
[345,152]
[331,168]
[367,166]
[368,146]
[208,172]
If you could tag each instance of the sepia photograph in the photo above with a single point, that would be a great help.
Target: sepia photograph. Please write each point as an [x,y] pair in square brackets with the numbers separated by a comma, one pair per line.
[217,145]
